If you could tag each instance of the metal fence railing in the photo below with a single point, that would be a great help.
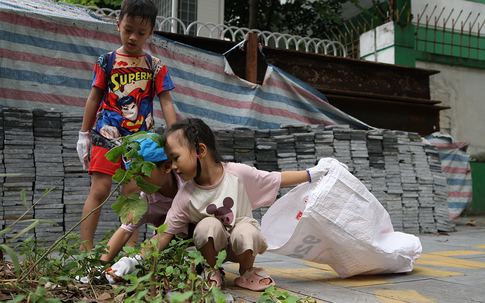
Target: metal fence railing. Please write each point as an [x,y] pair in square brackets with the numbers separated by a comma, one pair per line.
[437,34]
[237,34]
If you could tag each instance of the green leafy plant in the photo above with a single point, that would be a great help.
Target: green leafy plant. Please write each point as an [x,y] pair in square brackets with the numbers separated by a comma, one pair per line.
[170,275]
[165,276]
[271,295]
[129,148]
[131,208]
[35,222]
[39,296]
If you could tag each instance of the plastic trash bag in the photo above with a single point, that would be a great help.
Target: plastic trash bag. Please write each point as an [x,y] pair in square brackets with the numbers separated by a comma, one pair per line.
[337,221]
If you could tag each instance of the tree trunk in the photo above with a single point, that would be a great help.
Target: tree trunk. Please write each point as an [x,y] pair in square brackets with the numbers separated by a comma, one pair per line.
[253,14]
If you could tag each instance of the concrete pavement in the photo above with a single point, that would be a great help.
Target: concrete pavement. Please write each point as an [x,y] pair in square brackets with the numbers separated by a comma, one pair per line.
[450,269]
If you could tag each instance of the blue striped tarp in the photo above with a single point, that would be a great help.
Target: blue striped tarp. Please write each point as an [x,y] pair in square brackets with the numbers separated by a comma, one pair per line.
[457,170]
[48,50]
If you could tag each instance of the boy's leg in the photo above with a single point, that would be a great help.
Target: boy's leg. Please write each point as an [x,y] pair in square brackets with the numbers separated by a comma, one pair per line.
[100,189]
[127,189]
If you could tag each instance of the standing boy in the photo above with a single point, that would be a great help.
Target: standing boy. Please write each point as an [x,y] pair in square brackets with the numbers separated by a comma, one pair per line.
[121,103]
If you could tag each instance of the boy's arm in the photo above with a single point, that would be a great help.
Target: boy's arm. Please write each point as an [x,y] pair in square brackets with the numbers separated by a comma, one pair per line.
[92,105]
[167,107]
[116,243]
[127,265]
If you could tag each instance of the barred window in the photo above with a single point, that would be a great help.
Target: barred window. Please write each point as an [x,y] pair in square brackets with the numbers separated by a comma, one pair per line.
[187,12]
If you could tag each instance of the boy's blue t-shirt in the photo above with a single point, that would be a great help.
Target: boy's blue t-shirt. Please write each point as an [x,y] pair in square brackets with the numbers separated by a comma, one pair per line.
[130,86]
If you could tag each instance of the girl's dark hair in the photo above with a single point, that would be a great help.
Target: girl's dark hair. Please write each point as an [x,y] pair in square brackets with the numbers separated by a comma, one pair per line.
[145,9]
[196,131]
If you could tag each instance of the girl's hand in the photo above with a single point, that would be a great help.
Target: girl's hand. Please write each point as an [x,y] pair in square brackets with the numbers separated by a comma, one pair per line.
[121,268]
[322,168]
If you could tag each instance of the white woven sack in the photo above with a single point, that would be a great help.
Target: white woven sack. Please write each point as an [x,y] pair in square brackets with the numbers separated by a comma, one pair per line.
[337,221]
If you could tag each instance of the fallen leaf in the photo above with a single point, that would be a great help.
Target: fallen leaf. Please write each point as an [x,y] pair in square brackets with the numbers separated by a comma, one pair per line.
[104,296]
[120,298]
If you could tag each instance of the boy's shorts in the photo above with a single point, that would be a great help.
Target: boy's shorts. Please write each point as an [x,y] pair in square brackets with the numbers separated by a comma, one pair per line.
[99,163]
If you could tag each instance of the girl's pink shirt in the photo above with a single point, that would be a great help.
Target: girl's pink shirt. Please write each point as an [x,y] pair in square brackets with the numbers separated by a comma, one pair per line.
[240,190]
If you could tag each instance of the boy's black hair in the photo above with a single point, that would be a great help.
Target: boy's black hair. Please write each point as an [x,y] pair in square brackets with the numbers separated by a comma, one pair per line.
[125,100]
[145,9]
[196,131]
[160,163]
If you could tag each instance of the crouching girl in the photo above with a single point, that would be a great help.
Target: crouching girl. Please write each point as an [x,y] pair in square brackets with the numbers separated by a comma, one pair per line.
[219,198]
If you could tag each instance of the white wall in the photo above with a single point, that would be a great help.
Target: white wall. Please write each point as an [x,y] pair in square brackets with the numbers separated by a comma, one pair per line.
[460,88]
[210,11]
[377,45]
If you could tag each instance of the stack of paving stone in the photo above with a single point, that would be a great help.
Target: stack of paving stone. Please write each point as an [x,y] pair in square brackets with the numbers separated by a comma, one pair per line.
[225,141]
[375,149]
[19,159]
[401,171]
[285,150]
[2,134]
[244,145]
[2,178]
[77,182]
[305,150]
[302,157]
[393,179]
[265,151]
[304,144]
[285,153]
[323,143]
[440,190]
[441,211]
[409,184]
[279,132]
[360,157]
[379,185]
[425,179]
[49,175]
[341,144]
[377,165]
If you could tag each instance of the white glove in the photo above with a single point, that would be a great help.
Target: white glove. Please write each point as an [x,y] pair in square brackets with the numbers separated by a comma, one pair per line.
[322,168]
[83,280]
[83,146]
[91,272]
[123,267]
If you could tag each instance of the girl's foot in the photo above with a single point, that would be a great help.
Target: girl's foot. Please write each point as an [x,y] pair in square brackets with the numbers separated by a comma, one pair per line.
[255,279]
[213,277]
